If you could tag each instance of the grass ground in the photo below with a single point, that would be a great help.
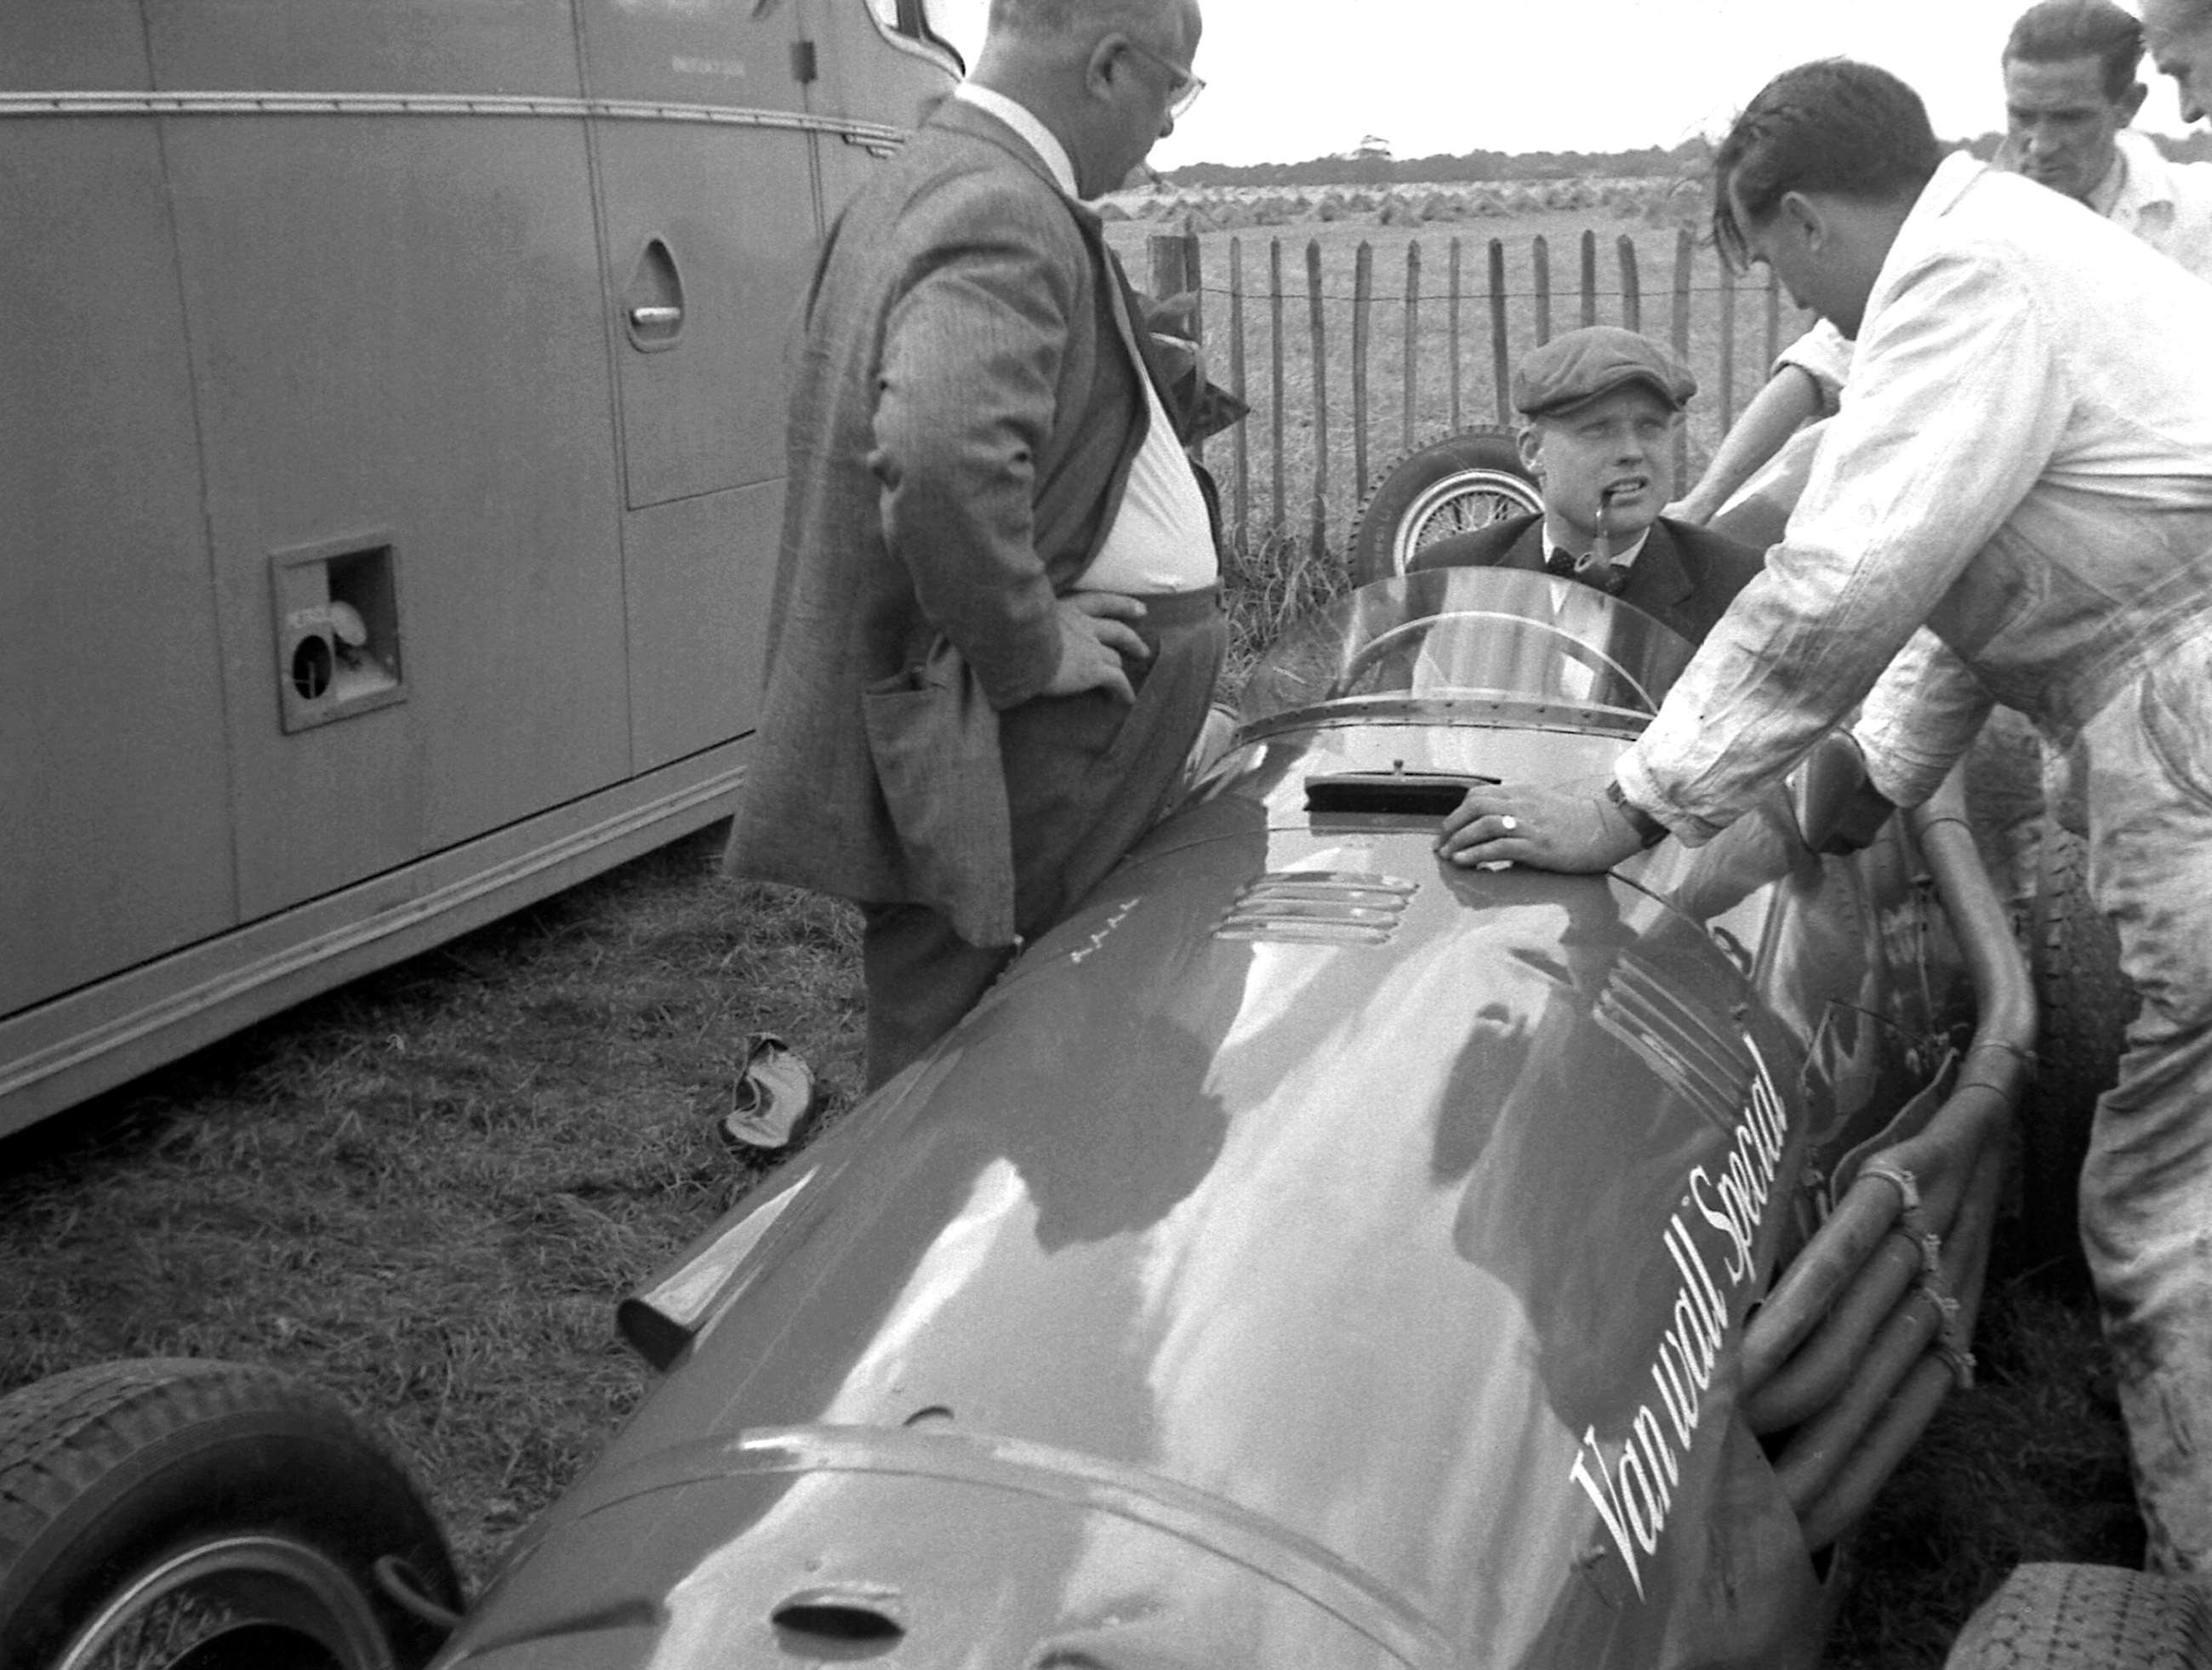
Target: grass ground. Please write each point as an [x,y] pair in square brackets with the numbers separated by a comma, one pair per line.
[427,1190]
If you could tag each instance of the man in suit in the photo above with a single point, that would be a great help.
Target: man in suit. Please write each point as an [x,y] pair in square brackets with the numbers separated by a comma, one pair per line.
[996,622]
[1600,407]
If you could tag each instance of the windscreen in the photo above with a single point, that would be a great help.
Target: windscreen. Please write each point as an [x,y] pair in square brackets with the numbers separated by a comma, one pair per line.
[1461,635]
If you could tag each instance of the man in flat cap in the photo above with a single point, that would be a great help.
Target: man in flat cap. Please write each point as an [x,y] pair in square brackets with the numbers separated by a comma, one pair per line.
[1599,409]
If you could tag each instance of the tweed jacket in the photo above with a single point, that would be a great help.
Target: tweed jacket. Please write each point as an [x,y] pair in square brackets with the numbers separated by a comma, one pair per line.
[1685,576]
[963,416]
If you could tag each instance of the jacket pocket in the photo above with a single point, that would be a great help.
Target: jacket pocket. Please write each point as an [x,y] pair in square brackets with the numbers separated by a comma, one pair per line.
[934,740]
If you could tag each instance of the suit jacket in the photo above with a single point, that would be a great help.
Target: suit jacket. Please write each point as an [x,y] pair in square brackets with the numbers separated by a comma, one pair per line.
[963,415]
[1685,576]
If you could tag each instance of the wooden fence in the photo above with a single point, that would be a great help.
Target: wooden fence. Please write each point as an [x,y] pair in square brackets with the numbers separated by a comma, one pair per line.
[1346,375]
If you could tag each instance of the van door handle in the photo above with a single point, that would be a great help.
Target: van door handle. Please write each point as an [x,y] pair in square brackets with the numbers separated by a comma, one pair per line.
[652,301]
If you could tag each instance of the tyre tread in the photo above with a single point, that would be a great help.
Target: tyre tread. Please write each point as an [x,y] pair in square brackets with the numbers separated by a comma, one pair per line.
[2058,1617]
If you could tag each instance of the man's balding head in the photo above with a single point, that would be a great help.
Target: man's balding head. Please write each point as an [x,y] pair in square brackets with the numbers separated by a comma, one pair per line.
[1100,74]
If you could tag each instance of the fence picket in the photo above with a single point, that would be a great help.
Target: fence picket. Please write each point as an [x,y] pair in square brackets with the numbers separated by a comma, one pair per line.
[1728,346]
[1276,355]
[1632,287]
[1362,304]
[1590,278]
[1320,403]
[1539,255]
[1451,315]
[1497,323]
[1240,441]
[1412,337]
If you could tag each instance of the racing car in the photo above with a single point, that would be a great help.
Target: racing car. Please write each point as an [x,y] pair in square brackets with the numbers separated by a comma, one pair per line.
[1309,1253]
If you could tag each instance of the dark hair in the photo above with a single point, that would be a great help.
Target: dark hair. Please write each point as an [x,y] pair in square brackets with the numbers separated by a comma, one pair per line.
[2059,31]
[1835,126]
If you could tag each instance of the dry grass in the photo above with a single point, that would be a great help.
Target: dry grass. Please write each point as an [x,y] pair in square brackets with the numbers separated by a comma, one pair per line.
[427,1190]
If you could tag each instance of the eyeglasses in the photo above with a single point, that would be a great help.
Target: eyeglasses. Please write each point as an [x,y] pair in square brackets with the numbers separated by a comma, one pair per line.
[1183,90]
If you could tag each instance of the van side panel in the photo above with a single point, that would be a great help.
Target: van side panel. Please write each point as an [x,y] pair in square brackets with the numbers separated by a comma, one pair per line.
[868,75]
[401,387]
[497,46]
[114,786]
[372,297]
[717,219]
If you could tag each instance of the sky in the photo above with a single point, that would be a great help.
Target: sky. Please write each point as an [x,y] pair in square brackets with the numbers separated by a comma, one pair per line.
[1288,80]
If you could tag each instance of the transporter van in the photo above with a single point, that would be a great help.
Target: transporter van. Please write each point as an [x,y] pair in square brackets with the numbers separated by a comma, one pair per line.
[392,397]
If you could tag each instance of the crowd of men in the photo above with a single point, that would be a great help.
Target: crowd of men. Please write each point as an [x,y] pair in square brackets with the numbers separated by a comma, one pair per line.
[996,623]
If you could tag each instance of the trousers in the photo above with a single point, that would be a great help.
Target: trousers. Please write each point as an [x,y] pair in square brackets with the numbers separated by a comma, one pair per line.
[2146,1198]
[1085,776]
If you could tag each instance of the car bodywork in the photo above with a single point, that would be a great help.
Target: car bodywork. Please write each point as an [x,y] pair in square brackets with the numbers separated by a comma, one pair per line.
[1312,1254]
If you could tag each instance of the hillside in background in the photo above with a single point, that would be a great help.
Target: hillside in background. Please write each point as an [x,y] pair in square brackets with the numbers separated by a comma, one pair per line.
[1688,160]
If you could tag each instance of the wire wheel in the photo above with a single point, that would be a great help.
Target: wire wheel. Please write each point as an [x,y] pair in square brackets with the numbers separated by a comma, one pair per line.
[1449,487]
[183,1515]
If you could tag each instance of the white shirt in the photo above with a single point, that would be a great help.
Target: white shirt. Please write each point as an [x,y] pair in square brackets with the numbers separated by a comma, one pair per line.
[2024,465]
[1161,540]
[2166,204]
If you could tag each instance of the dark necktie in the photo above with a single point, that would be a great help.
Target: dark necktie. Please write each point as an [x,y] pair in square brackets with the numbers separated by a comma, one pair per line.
[1607,577]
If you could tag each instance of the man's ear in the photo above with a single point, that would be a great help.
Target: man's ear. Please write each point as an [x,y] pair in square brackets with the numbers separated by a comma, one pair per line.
[1531,442]
[2131,101]
[1098,66]
[1806,216]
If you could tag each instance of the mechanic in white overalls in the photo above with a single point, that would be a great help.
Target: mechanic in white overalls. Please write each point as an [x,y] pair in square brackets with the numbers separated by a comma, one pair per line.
[2023,469]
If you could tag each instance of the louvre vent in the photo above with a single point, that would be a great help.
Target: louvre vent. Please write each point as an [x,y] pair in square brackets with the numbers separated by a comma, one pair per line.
[1320,907]
[1709,1067]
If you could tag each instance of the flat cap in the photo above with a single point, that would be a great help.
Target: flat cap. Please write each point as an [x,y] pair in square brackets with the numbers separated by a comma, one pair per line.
[1594,361]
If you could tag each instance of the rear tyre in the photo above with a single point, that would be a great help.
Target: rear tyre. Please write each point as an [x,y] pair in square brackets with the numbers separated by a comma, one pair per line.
[2087,1618]
[201,1516]
[1452,486]
[2086,1004]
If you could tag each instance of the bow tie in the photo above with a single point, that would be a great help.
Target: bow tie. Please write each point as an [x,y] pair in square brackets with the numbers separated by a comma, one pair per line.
[1607,577]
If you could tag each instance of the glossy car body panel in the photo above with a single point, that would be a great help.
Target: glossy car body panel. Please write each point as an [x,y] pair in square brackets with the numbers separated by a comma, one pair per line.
[1309,1253]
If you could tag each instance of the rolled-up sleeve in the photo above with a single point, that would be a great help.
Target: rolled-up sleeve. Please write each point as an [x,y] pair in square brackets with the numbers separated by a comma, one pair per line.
[1922,714]
[1956,404]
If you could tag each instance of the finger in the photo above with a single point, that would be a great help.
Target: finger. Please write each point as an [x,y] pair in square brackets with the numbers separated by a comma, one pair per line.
[1101,605]
[1482,837]
[1115,683]
[1121,639]
[1477,803]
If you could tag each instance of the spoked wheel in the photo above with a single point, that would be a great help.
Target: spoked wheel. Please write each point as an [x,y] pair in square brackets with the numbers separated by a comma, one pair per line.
[1449,487]
[199,1516]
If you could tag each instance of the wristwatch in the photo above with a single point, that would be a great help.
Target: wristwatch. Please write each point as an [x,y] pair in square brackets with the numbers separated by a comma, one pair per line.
[1649,830]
